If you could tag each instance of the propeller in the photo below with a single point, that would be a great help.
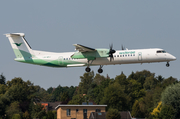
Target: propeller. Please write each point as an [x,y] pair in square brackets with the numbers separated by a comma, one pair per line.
[111,52]
[122,47]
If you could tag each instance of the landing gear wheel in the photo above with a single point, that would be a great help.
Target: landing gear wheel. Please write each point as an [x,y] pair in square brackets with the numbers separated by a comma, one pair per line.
[167,65]
[88,69]
[100,70]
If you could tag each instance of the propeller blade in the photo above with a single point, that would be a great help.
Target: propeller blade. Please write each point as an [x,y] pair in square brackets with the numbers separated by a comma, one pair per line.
[122,47]
[111,52]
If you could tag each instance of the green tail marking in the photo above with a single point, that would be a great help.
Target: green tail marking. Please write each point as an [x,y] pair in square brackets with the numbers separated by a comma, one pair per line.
[18,44]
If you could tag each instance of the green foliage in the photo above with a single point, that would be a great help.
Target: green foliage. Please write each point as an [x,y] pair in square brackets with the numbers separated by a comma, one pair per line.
[26,115]
[16,116]
[121,79]
[50,90]
[114,97]
[38,111]
[58,92]
[50,115]
[3,89]
[134,91]
[171,97]
[139,93]
[64,97]
[85,83]
[98,79]
[156,111]
[169,81]
[167,112]
[55,114]
[79,99]
[41,94]
[150,83]
[113,114]
[13,109]
[2,79]
[136,110]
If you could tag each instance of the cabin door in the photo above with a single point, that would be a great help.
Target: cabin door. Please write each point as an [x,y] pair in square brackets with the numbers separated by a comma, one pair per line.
[140,56]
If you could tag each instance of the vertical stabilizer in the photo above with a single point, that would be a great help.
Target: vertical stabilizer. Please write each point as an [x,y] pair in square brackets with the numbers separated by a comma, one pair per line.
[20,46]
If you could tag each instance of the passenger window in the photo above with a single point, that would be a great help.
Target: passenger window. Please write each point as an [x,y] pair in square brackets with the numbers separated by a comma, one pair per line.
[114,55]
[117,55]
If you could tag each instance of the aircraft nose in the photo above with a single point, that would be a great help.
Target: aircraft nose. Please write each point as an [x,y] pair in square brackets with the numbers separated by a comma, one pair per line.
[173,57]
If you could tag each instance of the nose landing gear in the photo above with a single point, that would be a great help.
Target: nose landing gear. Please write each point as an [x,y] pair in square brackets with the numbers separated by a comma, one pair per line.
[167,65]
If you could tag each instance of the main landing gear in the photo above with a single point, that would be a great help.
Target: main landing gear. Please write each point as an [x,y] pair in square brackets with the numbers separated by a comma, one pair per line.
[88,69]
[100,70]
[167,65]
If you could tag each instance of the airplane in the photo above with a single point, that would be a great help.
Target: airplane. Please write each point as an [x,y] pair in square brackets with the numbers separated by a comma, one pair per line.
[85,56]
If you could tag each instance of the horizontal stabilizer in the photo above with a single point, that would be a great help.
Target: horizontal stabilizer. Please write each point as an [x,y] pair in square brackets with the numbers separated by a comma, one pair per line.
[14,34]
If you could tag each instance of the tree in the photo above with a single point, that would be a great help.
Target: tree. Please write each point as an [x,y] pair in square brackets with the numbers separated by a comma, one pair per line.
[26,115]
[113,114]
[167,112]
[50,90]
[13,109]
[85,83]
[96,92]
[121,79]
[64,97]
[3,89]
[38,111]
[98,79]
[169,81]
[2,79]
[115,97]
[50,115]
[42,94]
[150,83]
[156,111]
[134,91]
[171,96]
[136,110]
[16,116]
[141,76]
[77,99]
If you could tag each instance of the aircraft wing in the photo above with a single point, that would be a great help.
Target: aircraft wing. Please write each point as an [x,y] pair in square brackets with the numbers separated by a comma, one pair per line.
[82,48]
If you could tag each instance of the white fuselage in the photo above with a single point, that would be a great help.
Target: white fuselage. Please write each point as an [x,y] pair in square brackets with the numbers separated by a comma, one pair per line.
[120,57]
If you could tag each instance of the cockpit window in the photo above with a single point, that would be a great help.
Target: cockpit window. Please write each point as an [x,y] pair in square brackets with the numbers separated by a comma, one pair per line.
[161,51]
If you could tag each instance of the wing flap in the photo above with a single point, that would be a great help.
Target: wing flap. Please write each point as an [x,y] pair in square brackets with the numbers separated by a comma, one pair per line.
[82,48]
[75,65]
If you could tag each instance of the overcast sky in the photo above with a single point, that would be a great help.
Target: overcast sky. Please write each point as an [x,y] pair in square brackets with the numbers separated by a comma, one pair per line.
[57,24]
